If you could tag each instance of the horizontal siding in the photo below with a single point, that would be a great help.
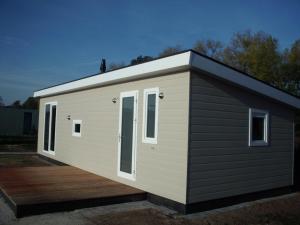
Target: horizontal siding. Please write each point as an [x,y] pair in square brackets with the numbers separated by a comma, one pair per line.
[243,171]
[221,164]
[199,159]
[240,188]
[161,169]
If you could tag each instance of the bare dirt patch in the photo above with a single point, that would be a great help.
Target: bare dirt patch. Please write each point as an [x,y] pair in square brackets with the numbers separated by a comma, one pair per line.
[138,217]
[284,211]
[275,212]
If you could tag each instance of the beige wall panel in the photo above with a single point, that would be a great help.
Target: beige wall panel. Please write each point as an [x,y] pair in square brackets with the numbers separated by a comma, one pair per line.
[161,169]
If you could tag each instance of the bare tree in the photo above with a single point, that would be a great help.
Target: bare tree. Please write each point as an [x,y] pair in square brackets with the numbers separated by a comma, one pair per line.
[16,104]
[114,66]
[170,51]
[140,59]
[210,48]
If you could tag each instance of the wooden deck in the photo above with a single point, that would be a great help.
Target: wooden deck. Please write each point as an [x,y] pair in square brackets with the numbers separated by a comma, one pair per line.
[36,190]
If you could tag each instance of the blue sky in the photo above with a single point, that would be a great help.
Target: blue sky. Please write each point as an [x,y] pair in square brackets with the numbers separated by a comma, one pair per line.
[47,42]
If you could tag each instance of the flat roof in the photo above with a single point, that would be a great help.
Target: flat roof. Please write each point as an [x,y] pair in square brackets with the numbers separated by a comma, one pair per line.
[183,60]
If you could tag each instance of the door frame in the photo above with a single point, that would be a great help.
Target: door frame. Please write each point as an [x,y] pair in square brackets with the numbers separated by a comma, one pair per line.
[51,152]
[122,174]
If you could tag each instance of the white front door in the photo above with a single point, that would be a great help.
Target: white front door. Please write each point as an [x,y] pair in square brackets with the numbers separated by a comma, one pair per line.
[127,135]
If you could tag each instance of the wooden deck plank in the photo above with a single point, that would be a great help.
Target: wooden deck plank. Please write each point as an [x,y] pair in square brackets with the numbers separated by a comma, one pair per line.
[39,171]
[63,187]
[59,196]
[12,190]
[45,180]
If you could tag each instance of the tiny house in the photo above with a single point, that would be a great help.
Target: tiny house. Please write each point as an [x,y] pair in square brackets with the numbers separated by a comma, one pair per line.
[186,129]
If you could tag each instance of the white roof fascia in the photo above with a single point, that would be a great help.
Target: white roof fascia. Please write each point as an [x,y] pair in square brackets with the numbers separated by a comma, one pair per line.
[170,64]
[152,68]
[241,79]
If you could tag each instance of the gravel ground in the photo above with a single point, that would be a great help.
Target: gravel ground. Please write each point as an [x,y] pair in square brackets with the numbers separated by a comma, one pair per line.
[88,216]
[284,210]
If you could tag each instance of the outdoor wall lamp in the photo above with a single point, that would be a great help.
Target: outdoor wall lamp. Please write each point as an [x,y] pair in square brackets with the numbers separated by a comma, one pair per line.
[114,100]
[68,117]
[161,95]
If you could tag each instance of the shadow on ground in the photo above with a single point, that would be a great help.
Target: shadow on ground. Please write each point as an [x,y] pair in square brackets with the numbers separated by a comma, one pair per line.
[18,148]
[279,211]
[22,160]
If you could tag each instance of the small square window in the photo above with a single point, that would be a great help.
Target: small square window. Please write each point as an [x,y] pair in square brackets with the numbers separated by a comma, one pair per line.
[258,127]
[76,128]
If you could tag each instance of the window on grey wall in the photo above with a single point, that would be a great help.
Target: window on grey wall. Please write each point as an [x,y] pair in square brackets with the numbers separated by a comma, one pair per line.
[258,127]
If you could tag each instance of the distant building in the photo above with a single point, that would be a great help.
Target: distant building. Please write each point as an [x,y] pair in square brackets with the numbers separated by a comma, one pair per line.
[18,122]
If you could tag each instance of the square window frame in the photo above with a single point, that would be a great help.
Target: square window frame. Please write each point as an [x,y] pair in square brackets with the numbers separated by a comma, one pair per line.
[148,91]
[76,134]
[265,141]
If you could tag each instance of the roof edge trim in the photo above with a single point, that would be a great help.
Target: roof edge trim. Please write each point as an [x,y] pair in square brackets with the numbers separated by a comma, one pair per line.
[152,68]
[183,60]
[241,79]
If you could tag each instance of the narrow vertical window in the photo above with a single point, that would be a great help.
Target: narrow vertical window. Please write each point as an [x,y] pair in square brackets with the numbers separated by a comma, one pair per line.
[150,115]
[258,127]
[46,128]
[53,120]
[50,127]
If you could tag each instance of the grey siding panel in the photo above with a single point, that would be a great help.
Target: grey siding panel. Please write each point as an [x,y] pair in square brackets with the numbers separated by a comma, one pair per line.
[244,171]
[221,163]
[241,189]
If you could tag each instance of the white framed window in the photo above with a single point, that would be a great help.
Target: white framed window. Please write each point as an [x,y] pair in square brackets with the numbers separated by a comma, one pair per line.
[76,128]
[50,127]
[258,127]
[150,118]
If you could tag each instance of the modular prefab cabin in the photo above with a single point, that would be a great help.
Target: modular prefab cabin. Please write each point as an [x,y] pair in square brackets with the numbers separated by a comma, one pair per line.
[16,122]
[184,128]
